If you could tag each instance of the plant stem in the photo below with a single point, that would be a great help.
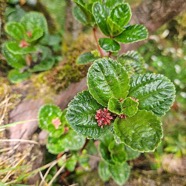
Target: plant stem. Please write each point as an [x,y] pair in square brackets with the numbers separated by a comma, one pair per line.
[96,39]
[86,142]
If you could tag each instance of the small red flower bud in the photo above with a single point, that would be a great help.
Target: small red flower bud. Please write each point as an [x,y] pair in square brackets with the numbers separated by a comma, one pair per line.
[56,122]
[23,44]
[29,34]
[122,116]
[103,117]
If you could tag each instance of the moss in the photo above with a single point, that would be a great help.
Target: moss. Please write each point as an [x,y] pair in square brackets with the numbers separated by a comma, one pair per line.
[67,71]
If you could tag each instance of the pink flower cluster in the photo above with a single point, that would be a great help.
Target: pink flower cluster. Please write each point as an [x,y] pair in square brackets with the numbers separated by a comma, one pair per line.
[103,117]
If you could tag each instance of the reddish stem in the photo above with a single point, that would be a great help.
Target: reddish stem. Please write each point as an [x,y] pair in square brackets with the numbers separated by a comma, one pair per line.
[96,39]
[109,54]
[86,142]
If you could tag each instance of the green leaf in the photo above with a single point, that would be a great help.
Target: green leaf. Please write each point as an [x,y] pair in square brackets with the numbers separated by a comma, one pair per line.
[34,35]
[103,170]
[106,79]
[84,13]
[100,14]
[81,115]
[155,92]
[111,3]
[66,142]
[54,145]
[80,15]
[109,45]
[15,76]
[73,141]
[15,61]
[118,154]
[142,132]
[120,173]
[15,30]
[71,163]
[85,58]
[49,118]
[14,48]
[120,15]
[131,154]
[132,34]
[114,28]
[133,62]
[129,107]
[47,64]
[33,20]
[103,147]
[114,105]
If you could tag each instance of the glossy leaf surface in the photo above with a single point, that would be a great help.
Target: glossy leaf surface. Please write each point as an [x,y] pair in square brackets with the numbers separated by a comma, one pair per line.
[109,45]
[120,173]
[114,105]
[85,58]
[106,79]
[15,76]
[120,15]
[129,107]
[155,92]
[132,34]
[142,132]
[33,20]
[47,114]
[15,61]
[14,48]
[100,14]
[133,62]
[15,30]
[103,170]
[81,115]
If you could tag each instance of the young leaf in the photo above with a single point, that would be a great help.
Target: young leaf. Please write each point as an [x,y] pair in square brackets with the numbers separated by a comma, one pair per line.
[106,79]
[72,141]
[85,58]
[103,170]
[15,48]
[133,62]
[142,132]
[103,148]
[47,64]
[100,14]
[15,76]
[155,92]
[120,173]
[80,15]
[120,15]
[71,163]
[33,20]
[84,12]
[15,30]
[15,61]
[114,105]
[131,154]
[118,154]
[66,142]
[109,45]
[129,107]
[81,115]
[48,115]
[34,35]
[54,145]
[111,3]
[132,34]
